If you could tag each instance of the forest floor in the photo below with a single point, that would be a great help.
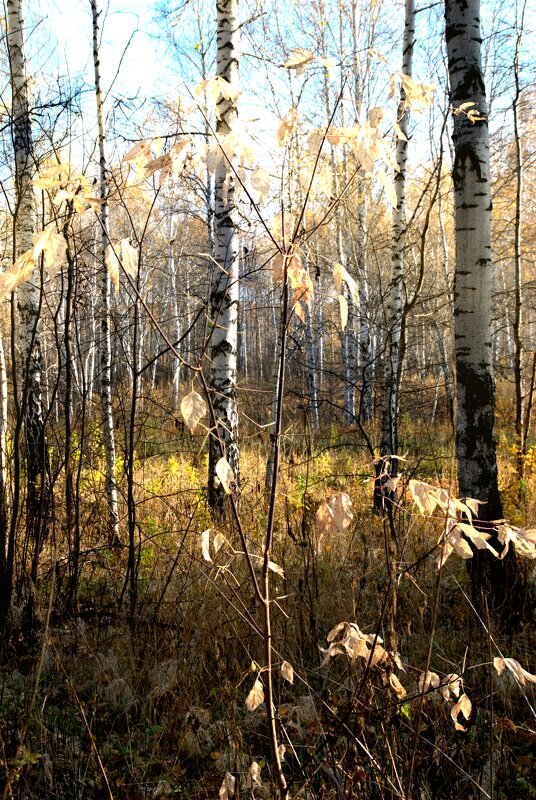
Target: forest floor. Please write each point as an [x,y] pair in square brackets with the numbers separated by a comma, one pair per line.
[138,689]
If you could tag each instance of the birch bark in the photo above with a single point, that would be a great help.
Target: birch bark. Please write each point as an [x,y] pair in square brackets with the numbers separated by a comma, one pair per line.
[225,279]
[105,355]
[475,444]
[395,309]
[27,298]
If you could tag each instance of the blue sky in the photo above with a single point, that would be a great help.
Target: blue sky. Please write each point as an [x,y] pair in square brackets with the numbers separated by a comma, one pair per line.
[63,34]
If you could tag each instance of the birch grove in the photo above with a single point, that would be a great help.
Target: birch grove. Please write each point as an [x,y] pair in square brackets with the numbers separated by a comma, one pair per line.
[241,312]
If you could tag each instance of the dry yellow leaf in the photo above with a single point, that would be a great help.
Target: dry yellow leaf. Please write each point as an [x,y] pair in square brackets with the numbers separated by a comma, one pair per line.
[256,696]
[193,409]
[287,671]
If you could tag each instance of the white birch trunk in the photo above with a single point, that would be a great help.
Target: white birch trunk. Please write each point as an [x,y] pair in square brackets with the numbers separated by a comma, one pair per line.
[105,355]
[365,349]
[395,344]
[23,232]
[225,280]
[475,444]
[477,469]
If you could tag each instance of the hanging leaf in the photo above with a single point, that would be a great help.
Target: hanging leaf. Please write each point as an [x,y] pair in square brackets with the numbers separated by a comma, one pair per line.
[372,52]
[227,789]
[273,567]
[54,248]
[142,148]
[129,258]
[375,116]
[204,543]
[163,163]
[256,696]
[214,157]
[328,63]
[20,272]
[343,308]
[298,309]
[287,671]
[451,685]
[341,506]
[112,265]
[55,252]
[193,409]
[218,542]
[178,155]
[427,680]
[340,274]
[463,706]
[254,775]
[324,518]
[521,675]
[225,474]
[298,60]
[397,686]
[260,181]
[424,495]
[287,126]
[217,88]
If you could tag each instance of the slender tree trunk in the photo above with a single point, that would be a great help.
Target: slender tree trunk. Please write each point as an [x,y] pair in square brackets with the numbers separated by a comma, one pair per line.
[74,545]
[27,298]
[475,444]
[5,580]
[519,378]
[225,278]
[311,369]
[395,310]
[366,353]
[105,316]
[444,364]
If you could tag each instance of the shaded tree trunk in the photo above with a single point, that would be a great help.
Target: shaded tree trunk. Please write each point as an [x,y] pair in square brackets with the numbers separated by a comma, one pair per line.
[27,296]
[519,377]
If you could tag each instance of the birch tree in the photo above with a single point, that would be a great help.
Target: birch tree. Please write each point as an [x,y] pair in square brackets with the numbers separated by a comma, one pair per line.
[105,335]
[475,444]
[395,310]
[225,274]
[519,377]
[27,295]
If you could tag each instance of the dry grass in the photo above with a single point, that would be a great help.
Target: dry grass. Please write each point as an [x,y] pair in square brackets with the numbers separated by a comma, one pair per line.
[160,698]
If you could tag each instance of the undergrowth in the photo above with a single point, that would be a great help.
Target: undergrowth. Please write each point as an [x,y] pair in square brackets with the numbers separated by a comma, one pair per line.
[96,704]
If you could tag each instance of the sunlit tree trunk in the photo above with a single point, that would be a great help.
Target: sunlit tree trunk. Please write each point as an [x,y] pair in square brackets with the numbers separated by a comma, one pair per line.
[27,297]
[224,290]
[359,241]
[475,444]
[395,310]
[517,326]
[104,312]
